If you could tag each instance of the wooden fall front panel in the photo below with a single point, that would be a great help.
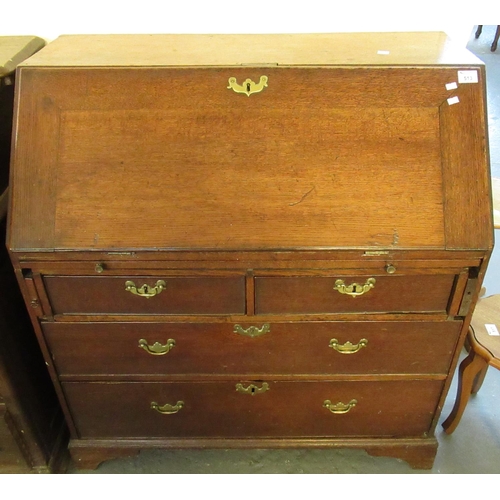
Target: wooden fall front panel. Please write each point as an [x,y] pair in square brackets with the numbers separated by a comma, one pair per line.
[292,247]
[271,171]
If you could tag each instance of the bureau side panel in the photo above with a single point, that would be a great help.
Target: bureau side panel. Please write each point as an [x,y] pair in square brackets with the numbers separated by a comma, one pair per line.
[34,164]
[466,174]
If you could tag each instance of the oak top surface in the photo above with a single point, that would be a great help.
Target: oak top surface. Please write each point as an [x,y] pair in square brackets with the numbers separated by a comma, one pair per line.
[400,48]
[15,49]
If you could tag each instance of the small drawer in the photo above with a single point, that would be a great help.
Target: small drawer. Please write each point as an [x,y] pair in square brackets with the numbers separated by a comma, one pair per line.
[111,349]
[242,408]
[372,294]
[146,295]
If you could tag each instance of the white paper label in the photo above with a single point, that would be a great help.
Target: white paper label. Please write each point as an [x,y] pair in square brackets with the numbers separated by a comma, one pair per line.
[468,76]
[383,52]
[453,100]
[451,86]
[492,330]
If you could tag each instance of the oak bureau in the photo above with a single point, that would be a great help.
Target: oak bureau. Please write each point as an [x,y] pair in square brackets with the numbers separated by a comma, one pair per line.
[251,240]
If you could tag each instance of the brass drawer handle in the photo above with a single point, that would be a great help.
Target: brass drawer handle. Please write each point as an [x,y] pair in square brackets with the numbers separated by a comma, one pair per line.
[348,347]
[167,409]
[157,349]
[252,331]
[355,289]
[339,408]
[248,87]
[145,290]
[390,269]
[252,389]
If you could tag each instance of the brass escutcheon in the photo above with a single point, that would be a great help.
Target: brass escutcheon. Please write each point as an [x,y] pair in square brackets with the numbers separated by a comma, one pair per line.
[339,408]
[354,290]
[145,290]
[348,347]
[157,349]
[167,409]
[248,87]
[252,331]
[252,389]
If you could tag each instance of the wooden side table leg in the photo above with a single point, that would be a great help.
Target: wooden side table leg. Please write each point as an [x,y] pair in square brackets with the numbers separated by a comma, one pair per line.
[495,41]
[478,380]
[478,31]
[470,367]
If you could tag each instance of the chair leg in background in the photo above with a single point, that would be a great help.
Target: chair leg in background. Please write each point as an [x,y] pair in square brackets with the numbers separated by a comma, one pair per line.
[470,367]
[495,41]
[478,380]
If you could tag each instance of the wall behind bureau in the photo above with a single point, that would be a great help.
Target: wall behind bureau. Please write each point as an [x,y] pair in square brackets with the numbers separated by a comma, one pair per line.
[51,18]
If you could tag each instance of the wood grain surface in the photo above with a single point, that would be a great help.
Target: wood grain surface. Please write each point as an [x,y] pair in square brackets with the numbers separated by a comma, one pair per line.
[404,48]
[321,158]
[365,156]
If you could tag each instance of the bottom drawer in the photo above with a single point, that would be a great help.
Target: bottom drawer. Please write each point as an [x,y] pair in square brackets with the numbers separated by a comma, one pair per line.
[285,409]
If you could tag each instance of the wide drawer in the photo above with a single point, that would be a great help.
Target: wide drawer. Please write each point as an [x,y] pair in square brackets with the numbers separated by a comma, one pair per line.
[146,295]
[305,294]
[390,408]
[81,349]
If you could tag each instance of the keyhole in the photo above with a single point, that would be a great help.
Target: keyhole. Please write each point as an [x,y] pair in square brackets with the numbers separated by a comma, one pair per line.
[248,87]
[253,390]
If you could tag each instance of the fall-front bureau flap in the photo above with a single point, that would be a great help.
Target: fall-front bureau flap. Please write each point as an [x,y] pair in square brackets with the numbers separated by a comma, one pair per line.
[250,157]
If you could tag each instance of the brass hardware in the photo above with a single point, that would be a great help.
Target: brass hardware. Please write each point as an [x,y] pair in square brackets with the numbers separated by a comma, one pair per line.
[157,349]
[252,389]
[252,331]
[248,87]
[145,290]
[375,253]
[339,408]
[348,347]
[390,269]
[355,289]
[167,409]
[469,292]
[99,268]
